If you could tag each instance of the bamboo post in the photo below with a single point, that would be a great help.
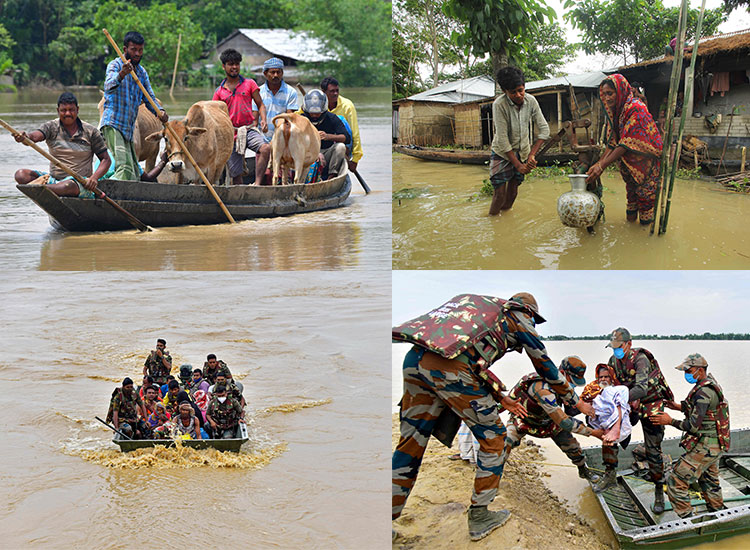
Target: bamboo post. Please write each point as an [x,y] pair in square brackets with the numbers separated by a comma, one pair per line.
[174,73]
[559,117]
[742,166]
[674,83]
[695,158]
[726,140]
[174,137]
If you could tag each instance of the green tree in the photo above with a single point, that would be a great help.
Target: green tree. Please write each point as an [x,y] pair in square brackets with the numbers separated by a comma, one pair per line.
[6,50]
[633,29]
[407,53]
[78,51]
[547,53]
[160,25]
[498,27]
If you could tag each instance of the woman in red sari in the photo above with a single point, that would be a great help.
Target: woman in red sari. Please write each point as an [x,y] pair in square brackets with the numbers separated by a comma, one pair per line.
[633,139]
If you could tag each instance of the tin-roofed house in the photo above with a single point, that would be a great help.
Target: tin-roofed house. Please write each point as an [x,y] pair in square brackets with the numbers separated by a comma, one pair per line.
[292,47]
[721,93]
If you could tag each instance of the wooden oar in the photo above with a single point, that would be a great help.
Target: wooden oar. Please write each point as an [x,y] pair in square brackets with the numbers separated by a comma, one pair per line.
[175,139]
[135,222]
[113,428]
[365,187]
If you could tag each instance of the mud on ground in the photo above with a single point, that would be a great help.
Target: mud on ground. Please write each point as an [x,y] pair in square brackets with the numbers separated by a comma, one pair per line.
[435,514]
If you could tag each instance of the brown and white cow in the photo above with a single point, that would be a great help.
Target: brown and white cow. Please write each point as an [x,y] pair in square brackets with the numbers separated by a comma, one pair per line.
[208,134]
[295,144]
[145,125]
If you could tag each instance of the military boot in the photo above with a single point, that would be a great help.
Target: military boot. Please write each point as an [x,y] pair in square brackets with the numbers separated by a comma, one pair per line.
[483,521]
[585,473]
[607,481]
[658,506]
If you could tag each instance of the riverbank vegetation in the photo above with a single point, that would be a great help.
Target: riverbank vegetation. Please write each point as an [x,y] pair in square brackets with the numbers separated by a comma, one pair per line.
[60,41]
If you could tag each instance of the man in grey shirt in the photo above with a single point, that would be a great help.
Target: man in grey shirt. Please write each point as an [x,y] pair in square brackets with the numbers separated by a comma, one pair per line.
[516,118]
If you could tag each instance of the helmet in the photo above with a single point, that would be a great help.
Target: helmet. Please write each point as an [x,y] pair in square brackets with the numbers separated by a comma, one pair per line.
[186,371]
[315,102]
[528,303]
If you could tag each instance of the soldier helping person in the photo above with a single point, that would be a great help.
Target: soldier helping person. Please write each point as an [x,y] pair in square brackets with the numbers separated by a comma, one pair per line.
[548,417]
[705,437]
[447,379]
[637,369]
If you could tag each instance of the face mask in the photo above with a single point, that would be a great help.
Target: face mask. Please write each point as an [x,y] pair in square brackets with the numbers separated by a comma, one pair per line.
[221,399]
[689,377]
[618,352]
[532,321]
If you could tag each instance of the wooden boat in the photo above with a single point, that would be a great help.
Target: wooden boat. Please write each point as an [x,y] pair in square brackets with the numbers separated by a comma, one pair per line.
[162,204]
[127,445]
[627,505]
[469,156]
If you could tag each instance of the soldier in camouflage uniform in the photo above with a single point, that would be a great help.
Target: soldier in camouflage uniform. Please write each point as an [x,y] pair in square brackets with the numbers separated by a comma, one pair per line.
[547,415]
[705,437]
[159,363]
[224,414]
[638,370]
[232,389]
[447,379]
[212,367]
[125,405]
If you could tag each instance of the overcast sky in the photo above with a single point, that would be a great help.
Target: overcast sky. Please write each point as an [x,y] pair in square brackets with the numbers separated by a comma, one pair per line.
[738,20]
[579,303]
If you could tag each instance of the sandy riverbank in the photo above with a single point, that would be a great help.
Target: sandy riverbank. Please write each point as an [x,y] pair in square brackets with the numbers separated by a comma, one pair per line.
[435,514]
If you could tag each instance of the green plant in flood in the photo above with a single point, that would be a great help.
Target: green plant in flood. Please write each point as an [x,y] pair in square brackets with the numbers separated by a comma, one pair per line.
[409,193]
[688,173]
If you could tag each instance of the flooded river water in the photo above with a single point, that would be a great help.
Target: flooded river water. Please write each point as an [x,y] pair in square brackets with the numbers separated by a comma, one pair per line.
[356,236]
[440,222]
[314,368]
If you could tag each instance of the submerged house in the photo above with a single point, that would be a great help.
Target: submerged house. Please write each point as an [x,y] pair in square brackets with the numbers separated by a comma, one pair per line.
[721,91]
[292,47]
[460,112]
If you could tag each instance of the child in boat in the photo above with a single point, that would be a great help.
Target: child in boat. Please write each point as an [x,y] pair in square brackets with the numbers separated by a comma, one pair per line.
[158,420]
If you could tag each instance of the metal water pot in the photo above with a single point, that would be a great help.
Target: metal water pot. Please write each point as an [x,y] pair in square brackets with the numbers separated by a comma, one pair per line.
[578,207]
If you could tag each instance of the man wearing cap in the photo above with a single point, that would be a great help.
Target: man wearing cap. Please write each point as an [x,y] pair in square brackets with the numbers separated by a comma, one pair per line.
[637,369]
[547,415]
[239,93]
[278,96]
[158,364]
[126,405]
[705,437]
[447,379]
[333,134]
[341,106]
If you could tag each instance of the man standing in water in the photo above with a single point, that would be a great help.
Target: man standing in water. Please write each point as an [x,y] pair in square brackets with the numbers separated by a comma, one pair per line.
[122,97]
[705,437]
[447,379]
[516,117]
[637,369]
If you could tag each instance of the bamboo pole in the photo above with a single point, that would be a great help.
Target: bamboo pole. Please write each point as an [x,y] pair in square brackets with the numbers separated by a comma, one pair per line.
[686,100]
[559,117]
[726,140]
[674,83]
[742,166]
[174,137]
[174,73]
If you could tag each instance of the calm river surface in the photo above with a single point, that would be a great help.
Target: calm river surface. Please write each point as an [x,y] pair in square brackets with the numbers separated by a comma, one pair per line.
[356,236]
[445,226]
[726,362]
[313,360]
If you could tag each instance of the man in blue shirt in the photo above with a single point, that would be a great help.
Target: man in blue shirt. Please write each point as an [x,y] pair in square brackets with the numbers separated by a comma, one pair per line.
[278,96]
[122,97]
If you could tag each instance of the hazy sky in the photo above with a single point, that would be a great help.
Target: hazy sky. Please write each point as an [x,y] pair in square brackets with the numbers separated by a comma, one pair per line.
[578,303]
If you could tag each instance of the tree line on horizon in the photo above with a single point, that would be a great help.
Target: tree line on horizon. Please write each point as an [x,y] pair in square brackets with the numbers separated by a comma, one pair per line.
[48,41]
[455,39]
[704,336]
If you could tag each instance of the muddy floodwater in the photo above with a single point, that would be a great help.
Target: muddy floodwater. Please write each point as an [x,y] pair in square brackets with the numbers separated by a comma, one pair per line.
[440,222]
[563,479]
[316,381]
[356,236]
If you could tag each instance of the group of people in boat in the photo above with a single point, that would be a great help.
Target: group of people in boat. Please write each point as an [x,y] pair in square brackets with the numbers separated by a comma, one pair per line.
[200,404]
[629,388]
[252,108]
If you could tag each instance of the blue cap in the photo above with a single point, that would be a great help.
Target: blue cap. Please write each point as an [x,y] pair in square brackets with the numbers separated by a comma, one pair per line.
[273,63]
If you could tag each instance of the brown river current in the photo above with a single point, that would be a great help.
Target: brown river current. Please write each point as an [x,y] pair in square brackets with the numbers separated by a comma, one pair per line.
[355,236]
[441,223]
[311,354]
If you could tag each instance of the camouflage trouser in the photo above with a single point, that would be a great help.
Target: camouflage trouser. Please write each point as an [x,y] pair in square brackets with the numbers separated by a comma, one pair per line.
[565,441]
[652,438]
[432,383]
[701,463]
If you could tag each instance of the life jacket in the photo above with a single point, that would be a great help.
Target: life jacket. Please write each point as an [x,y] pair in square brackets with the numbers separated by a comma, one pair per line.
[537,422]
[468,323]
[658,389]
[720,415]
